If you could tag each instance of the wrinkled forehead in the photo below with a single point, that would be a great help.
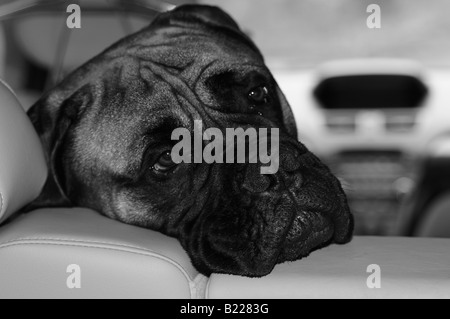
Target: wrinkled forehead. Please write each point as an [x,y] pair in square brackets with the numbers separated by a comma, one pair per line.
[168,66]
[159,67]
[180,59]
[181,48]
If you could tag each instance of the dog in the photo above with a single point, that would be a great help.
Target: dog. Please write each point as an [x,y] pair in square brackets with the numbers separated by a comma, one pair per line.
[106,132]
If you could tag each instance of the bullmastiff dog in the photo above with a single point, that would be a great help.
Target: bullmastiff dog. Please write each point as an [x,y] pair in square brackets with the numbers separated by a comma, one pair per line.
[106,131]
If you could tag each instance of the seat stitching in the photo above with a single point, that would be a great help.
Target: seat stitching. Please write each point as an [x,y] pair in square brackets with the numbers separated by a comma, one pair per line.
[76,241]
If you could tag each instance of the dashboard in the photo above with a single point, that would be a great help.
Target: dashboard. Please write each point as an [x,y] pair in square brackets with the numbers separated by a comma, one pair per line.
[372,121]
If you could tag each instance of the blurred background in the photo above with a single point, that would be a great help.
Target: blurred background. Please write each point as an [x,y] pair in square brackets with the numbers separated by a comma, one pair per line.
[374,104]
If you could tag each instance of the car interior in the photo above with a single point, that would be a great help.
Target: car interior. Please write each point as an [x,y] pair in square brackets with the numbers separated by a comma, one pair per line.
[379,119]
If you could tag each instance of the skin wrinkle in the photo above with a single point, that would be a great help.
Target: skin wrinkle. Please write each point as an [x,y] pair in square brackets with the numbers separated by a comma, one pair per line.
[141,54]
[196,206]
[192,112]
[194,106]
[220,250]
[251,250]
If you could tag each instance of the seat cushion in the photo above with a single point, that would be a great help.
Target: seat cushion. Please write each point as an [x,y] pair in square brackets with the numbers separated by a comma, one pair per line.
[408,268]
[38,251]
[115,260]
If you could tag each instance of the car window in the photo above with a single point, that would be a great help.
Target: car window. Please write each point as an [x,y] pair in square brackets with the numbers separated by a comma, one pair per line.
[308,32]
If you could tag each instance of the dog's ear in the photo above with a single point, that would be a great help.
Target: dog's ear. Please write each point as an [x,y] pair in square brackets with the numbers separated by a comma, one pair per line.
[52,116]
[288,115]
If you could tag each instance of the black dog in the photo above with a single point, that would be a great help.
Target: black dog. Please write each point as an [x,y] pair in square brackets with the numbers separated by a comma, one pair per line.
[106,131]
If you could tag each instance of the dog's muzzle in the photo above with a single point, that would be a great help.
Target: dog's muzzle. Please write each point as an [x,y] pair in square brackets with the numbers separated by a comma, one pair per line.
[263,220]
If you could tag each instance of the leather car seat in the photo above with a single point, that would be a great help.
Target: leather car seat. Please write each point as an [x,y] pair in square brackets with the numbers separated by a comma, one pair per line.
[22,163]
[78,253]
[38,250]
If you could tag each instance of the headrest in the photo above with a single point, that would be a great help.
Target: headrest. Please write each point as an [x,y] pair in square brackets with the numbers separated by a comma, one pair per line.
[23,169]
[38,37]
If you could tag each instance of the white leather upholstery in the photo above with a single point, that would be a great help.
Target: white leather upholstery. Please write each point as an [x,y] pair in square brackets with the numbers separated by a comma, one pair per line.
[116,260]
[410,268]
[22,164]
[122,261]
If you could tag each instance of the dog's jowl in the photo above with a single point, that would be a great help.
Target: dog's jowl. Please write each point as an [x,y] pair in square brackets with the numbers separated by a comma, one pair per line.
[106,130]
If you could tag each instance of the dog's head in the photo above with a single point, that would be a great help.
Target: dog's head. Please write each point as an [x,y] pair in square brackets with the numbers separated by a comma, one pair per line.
[107,132]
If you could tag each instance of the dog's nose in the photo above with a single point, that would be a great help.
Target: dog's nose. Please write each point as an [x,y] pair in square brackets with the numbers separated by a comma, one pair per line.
[290,166]
[289,160]
[254,181]
[287,174]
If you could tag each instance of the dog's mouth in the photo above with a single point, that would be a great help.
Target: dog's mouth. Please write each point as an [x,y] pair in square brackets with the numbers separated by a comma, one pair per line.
[250,222]
[251,239]
[309,231]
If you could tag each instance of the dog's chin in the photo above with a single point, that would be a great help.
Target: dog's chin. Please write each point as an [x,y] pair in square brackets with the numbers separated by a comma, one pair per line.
[309,231]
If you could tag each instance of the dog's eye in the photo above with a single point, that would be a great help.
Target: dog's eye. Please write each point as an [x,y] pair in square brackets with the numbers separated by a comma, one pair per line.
[259,95]
[164,163]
